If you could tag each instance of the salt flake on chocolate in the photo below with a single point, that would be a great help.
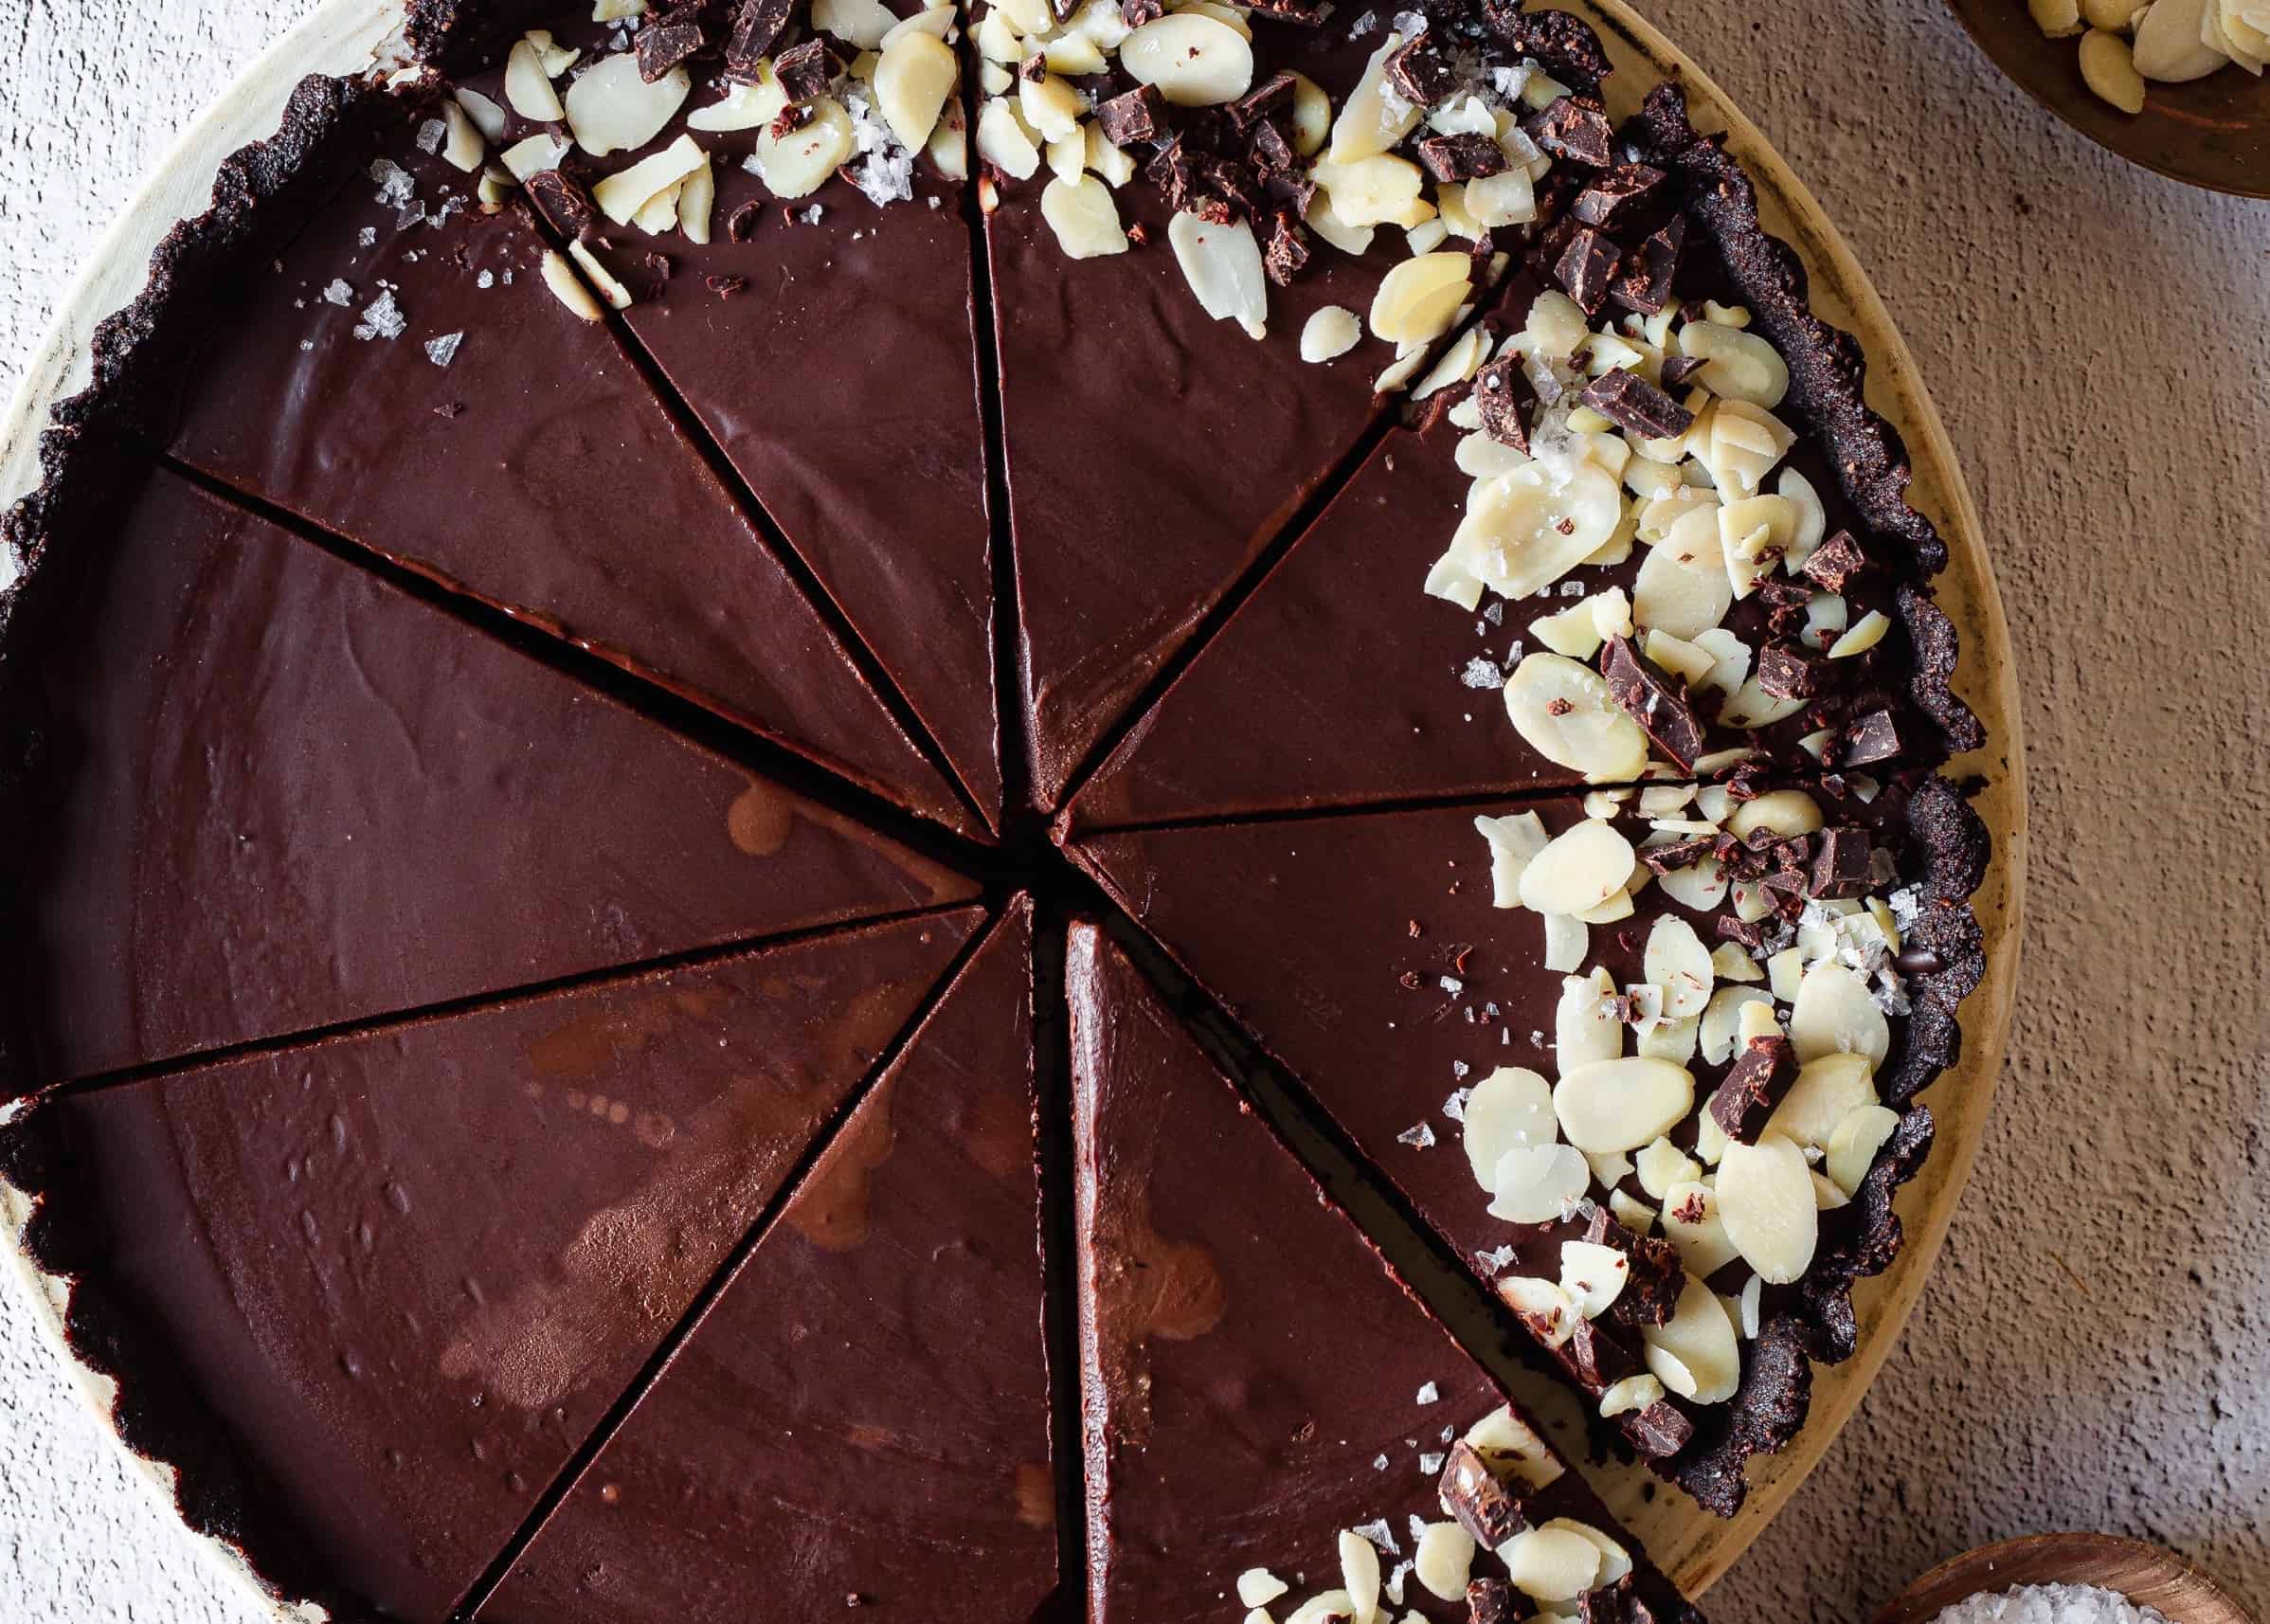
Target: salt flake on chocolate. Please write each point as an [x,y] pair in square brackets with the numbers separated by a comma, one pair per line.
[442,350]
[382,318]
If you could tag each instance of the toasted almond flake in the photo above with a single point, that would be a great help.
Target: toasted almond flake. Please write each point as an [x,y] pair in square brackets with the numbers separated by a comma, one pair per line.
[1683,585]
[1827,1090]
[1767,1204]
[1330,333]
[1835,1014]
[1004,142]
[1785,813]
[1373,119]
[1359,1574]
[1592,1275]
[1862,637]
[1536,1183]
[1511,1447]
[1083,216]
[798,162]
[1193,61]
[1620,1105]
[1222,264]
[1677,962]
[863,24]
[596,272]
[1258,1587]
[1444,1559]
[622,195]
[1513,841]
[1510,1106]
[568,288]
[1632,1392]
[611,109]
[1550,1564]
[913,79]
[1859,1134]
[528,88]
[1704,1359]
[742,106]
[535,155]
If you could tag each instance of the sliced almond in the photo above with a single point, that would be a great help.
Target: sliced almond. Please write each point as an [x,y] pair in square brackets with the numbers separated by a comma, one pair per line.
[860,23]
[1004,142]
[568,288]
[1083,216]
[1550,1564]
[1733,963]
[800,162]
[487,116]
[1827,1090]
[1859,1134]
[1585,1029]
[1670,1039]
[535,155]
[1691,1223]
[1514,840]
[1662,1165]
[1538,1183]
[697,202]
[556,59]
[1677,962]
[1258,1587]
[1592,1275]
[1835,1014]
[1359,1574]
[1507,198]
[1615,1562]
[1566,714]
[1444,1559]
[622,195]
[611,109]
[1511,1448]
[1193,61]
[1702,884]
[913,79]
[1721,1021]
[1373,119]
[1621,1104]
[1222,263]
[528,87]
[1745,442]
[1330,333]
[1050,106]
[1766,1201]
[596,273]
[1545,1309]
[1632,1393]
[462,147]
[1510,1106]
[1311,116]
[1736,365]
[1566,942]
[1632,1213]
[1578,870]
[1323,1608]
[1810,524]
[742,106]
[1864,635]
[658,214]
[1783,813]
[1704,1361]
[1683,588]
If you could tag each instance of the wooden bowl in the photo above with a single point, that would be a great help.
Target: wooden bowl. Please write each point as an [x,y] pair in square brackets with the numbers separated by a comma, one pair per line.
[2147,1575]
[2214,132]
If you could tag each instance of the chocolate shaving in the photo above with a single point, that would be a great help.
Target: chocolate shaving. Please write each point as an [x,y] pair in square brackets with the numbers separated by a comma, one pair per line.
[755,28]
[1471,1492]
[1760,1078]
[1467,156]
[565,203]
[1630,402]
[1655,700]
[1288,249]
[742,224]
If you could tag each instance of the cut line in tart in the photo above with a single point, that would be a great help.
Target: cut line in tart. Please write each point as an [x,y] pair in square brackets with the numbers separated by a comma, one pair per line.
[784,1453]
[451,1243]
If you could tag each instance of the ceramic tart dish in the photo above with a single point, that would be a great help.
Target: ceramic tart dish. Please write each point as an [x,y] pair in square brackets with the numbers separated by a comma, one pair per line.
[740,733]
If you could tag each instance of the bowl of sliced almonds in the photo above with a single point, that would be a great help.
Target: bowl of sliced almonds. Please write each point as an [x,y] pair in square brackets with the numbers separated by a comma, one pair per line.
[2177,85]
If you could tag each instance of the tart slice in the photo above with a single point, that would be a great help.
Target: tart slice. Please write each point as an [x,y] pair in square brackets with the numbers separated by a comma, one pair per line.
[809,297]
[1272,1419]
[1761,966]
[348,335]
[367,1297]
[304,797]
[862,1420]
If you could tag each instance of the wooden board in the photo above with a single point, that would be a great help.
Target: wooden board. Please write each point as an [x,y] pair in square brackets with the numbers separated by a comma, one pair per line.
[2147,1575]
[343,35]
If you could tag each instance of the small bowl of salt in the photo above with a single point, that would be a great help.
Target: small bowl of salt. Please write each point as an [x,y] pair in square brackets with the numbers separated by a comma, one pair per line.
[2065,1578]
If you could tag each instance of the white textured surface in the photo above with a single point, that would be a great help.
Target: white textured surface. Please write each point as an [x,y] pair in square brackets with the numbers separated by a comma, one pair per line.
[2094,1349]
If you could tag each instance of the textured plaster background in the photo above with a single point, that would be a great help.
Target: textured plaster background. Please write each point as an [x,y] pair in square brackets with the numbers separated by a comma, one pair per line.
[2094,1350]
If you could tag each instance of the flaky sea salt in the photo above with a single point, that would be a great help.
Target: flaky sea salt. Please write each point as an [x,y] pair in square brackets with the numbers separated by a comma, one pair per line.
[1420,1137]
[1429,1394]
[1480,672]
[382,318]
[2049,1604]
[339,293]
[430,134]
[442,350]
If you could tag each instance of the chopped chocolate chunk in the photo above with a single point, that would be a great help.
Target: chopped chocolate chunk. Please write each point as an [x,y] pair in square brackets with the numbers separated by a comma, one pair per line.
[1677,369]
[1748,932]
[1785,594]
[1288,249]
[1761,1075]
[1679,854]
[1616,1603]
[1570,50]
[1646,285]
[1586,267]
[1840,867]
[791,119]
[1489,1602]
[1137,12]
[1261,103]
[1471,1492]
[1273,154]
[1658,1432]
[667,38]
[756,25]
[1630,402]
[1655,700]
[1654,1279]
[564,201]
[1835,562]
[1308,11]
[1575,128]
[1467,156]
[1872,737]
[1612,198]
[1231,181]
[807,70]
[742,224]
[1502,394]
[1786,672]
[1419,73]
[1596,1358]
[1033,69]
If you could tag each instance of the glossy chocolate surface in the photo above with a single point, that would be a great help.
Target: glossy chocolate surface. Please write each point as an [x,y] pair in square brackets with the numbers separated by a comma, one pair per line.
[834,361]
[1153,451]
[536,470]
[386,1284]
[864,1412]
[271,793]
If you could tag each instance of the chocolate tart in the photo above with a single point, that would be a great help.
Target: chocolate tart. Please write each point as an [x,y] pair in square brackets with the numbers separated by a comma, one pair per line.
[513,688]
[784,1453]
[1242,1408]
[368,1296]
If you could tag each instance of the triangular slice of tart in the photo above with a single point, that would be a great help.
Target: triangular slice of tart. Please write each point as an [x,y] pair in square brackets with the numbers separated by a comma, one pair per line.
[1525,1078]
[368,1297]
[823,338]
[861,1419]
[272,794]
[348,335]
[1272,1418]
